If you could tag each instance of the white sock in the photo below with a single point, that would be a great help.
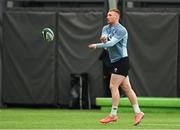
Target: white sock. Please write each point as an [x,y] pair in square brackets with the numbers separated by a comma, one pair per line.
[136,108]
[114,110]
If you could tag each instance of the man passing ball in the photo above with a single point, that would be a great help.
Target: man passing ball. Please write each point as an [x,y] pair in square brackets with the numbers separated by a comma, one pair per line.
[114,37]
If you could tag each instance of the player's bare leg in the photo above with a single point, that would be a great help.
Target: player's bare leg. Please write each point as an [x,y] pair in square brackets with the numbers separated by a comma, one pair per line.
[115,81]
[126,86]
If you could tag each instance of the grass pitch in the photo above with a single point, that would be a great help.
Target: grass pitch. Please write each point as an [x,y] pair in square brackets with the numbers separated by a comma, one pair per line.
[28,118]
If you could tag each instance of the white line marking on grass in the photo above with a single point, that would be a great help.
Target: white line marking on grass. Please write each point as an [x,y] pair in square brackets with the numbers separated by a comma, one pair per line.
[112,129]
[96,129]
[176,125]
[119,129]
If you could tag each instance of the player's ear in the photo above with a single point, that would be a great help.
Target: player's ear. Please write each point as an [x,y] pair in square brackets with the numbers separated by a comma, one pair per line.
[115,17]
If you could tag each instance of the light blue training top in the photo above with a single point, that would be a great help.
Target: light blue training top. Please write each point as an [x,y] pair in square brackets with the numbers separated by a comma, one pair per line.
[117,41]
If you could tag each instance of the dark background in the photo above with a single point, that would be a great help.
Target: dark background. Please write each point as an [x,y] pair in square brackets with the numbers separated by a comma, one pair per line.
[36,73]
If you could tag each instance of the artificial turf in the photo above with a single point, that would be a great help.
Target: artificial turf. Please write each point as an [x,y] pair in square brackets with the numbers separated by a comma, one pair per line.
[38,118]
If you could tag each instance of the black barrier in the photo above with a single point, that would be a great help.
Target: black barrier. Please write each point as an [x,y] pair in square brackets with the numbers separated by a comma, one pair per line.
[2,4]
[139,17]
[28,61]
[73,54]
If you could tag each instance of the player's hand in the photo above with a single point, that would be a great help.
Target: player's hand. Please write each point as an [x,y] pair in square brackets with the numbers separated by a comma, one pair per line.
[93,46]
[103,39]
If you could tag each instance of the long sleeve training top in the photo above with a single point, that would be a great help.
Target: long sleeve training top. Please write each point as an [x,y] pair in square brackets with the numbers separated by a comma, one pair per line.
[116,44]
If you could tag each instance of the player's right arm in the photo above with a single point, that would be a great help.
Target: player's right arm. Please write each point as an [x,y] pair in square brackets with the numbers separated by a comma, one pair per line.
[104,35]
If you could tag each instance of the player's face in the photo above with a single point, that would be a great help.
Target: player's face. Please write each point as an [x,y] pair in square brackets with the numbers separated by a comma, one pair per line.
[112,17]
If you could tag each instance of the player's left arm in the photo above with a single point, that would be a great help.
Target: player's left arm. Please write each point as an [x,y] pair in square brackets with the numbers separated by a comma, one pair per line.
[110,43]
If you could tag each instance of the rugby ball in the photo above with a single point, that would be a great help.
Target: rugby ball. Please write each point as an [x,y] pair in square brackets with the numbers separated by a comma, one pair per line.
[48,34]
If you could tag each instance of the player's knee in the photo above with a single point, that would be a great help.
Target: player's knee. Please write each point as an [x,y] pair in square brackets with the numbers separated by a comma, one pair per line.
[112,87]
[126,88]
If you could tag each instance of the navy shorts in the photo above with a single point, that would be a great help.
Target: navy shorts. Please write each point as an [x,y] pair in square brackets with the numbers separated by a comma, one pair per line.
[121,67]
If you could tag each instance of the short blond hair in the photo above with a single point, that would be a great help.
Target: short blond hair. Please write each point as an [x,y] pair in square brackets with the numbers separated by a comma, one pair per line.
[115,10]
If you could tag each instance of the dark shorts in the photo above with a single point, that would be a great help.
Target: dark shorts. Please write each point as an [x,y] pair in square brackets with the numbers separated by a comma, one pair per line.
[121,67]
